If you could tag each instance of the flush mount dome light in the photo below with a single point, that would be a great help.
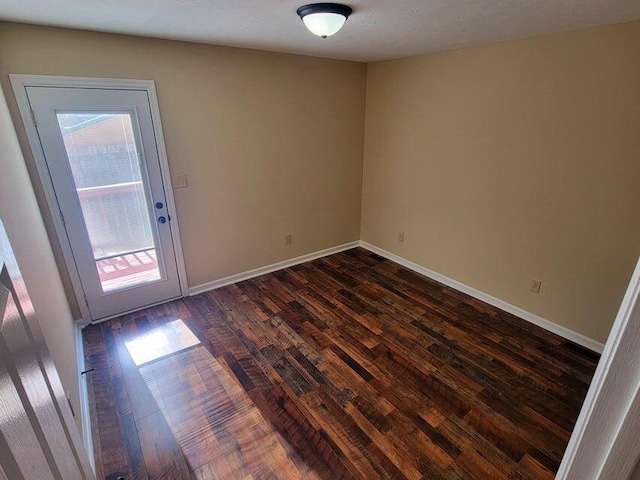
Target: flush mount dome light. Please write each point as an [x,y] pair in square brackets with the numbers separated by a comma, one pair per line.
[324,19]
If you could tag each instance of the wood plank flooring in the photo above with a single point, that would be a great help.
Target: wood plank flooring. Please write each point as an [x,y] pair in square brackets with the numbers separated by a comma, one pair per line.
[345,367]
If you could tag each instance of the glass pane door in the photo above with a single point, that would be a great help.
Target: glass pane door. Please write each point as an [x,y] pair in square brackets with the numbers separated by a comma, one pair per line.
[102,157]
[105,164]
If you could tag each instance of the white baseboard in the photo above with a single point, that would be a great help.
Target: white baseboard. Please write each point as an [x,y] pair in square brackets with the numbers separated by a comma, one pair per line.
[496,302]
[491,300]
[85,416]
[256,272]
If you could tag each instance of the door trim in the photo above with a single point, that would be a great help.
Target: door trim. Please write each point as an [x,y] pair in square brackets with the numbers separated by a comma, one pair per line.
[19,83]
[604,442]
[84,408]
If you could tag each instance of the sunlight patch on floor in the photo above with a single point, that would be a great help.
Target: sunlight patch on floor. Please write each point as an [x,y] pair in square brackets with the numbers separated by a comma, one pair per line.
[160,342]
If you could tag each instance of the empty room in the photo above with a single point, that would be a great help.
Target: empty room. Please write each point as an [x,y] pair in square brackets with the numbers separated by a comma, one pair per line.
[277,240]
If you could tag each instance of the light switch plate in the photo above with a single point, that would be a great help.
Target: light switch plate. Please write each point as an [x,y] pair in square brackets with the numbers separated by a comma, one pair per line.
[179,181]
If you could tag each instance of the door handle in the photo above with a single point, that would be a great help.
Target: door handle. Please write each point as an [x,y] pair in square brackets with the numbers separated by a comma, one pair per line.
[159,205]
[162,220]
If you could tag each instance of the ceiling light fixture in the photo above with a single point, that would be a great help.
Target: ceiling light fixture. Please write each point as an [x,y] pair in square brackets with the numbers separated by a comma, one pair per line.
[324,19]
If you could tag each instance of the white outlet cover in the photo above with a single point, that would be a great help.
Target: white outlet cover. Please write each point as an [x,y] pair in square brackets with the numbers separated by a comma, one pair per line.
[535,285]
[179,181]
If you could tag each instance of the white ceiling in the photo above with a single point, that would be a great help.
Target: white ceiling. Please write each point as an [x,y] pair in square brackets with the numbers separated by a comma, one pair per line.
[377,30]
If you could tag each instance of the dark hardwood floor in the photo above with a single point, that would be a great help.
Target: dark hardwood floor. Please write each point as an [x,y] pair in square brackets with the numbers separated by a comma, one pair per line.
[349,366]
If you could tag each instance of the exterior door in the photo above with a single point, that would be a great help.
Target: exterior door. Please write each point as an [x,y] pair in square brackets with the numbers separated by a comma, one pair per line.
[38,437]
[101,154]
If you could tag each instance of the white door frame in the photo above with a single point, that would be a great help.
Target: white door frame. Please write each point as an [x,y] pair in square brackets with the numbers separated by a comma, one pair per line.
[19,84]
[604,443]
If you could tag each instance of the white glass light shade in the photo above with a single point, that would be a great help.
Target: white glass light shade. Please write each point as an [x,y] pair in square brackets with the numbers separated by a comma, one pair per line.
[324,24]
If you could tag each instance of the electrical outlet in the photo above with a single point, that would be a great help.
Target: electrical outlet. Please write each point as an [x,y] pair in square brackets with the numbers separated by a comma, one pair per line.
[401,237]
[288,239]
[535,285]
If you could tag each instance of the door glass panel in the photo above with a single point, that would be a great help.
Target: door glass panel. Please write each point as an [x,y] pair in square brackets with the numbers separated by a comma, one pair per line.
[104,162]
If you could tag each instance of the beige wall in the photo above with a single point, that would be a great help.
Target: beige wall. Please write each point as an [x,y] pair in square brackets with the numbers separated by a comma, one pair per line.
[501,163]
[513,161]
[271,143]
[21,216]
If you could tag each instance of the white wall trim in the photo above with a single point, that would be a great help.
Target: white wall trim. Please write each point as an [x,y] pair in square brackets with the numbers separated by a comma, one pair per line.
[491,300]
[78,82]
[19,84]
[133,310]
[84,410]
[168,188]
[256,272]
